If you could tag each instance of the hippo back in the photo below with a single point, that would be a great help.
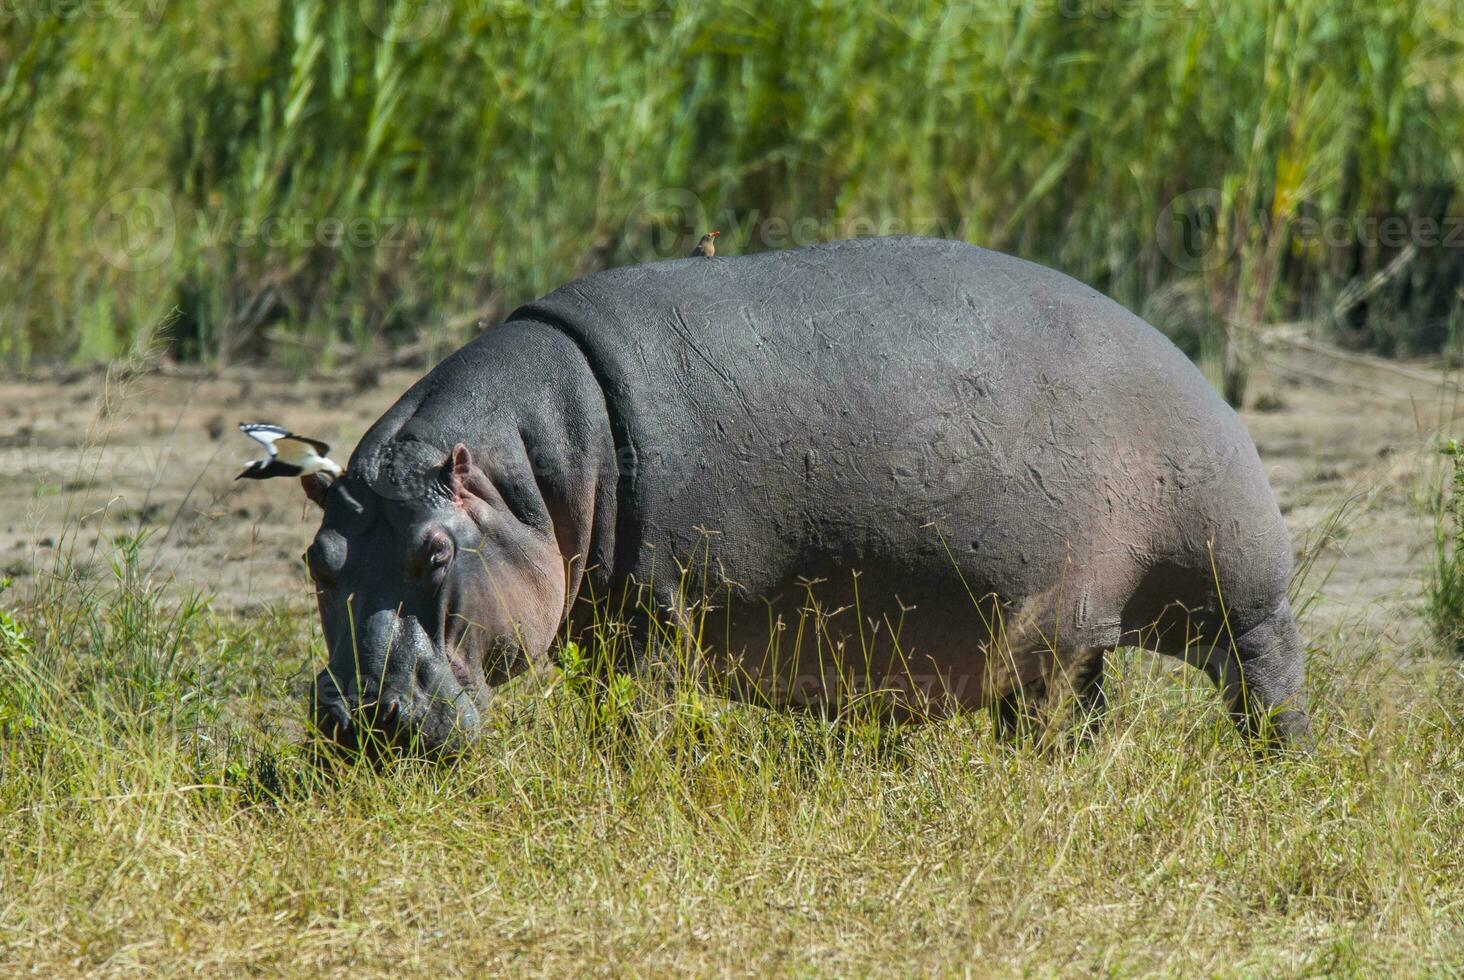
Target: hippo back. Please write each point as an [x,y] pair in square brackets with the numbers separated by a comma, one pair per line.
[909,409]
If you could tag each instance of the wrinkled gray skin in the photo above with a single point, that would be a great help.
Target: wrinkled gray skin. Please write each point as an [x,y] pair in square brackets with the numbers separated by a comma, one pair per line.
[898,464]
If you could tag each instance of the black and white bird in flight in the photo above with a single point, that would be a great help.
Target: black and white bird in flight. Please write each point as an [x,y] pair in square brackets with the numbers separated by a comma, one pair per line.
[289,454]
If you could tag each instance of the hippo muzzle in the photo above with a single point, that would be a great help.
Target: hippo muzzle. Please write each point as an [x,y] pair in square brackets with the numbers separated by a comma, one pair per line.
[396,686]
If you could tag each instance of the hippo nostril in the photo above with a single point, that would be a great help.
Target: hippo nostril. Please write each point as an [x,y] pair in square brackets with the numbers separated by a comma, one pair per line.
[337,718]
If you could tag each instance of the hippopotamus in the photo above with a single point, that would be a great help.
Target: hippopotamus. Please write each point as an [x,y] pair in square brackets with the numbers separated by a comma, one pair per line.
[902,471]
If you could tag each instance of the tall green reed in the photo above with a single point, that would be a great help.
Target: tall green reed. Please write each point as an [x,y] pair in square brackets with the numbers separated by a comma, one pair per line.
[297,177]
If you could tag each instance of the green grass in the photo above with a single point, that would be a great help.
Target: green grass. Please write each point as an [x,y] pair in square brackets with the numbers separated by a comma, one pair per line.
[1444,596]
[161,807]
[175,171]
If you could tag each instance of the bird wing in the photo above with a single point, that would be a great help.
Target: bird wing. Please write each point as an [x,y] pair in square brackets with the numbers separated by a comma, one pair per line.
[321,448]
[292,447]
[264,433]
[278,439]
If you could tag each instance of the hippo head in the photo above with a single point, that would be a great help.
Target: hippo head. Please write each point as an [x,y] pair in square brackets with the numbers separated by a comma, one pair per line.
[432,589]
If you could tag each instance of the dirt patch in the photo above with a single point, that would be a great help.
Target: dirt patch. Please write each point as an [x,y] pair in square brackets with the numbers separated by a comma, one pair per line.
[85,459]
[158,454]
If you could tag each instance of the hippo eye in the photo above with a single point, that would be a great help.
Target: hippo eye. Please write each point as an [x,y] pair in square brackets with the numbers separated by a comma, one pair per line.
[439,551]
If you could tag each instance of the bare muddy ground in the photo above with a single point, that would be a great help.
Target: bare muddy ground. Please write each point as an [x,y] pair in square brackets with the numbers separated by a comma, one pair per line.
[104,456]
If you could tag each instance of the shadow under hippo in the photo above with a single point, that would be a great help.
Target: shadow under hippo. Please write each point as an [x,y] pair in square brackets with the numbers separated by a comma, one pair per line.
[900,465]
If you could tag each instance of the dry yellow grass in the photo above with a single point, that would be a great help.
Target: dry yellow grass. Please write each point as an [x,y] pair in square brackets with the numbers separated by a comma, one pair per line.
[160,814]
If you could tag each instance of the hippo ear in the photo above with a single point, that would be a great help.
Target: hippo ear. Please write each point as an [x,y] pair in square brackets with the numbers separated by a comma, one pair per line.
[315,487]
[460,464]
[467,482]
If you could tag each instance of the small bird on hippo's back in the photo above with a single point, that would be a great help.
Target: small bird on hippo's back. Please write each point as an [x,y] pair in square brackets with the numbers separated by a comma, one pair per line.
[707,247]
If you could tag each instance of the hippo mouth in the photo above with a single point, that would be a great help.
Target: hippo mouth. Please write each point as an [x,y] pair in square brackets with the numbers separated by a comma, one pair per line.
[429,705]
[447,728]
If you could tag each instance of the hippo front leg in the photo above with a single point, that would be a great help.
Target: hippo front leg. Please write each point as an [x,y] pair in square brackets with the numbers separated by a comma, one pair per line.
[1090,696]
[1071,692]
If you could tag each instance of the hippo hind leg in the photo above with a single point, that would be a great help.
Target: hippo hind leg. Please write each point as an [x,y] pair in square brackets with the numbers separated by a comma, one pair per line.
[1260,674]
